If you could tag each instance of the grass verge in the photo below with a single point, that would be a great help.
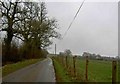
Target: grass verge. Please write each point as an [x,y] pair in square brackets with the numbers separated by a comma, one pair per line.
[60,72]
[7,69]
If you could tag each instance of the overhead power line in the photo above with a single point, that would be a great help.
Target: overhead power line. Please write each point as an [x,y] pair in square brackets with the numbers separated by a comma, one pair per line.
[73,20]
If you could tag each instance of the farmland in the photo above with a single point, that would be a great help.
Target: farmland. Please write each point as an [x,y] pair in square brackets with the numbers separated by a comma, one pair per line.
[98,70]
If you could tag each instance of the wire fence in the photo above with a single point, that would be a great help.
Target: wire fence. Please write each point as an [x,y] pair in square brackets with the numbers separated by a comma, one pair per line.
[88,70]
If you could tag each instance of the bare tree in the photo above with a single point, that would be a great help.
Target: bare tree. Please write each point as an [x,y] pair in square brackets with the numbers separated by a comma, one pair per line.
[68,52]
[29,22]
[10,16]
[38,28]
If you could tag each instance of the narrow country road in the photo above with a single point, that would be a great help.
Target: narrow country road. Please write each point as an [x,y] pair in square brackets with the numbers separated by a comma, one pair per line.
[40,72]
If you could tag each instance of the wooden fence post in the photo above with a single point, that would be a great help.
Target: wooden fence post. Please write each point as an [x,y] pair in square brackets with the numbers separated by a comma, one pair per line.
[74,66]
[114,69]
[62,60]
[86,70]
[66,62]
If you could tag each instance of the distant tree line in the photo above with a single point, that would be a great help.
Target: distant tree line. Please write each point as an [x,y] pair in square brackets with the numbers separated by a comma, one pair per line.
[28,22]
[66,52]
[92,56]
[99,57]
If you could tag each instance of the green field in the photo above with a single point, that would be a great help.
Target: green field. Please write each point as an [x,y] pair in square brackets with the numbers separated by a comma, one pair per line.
[98,70]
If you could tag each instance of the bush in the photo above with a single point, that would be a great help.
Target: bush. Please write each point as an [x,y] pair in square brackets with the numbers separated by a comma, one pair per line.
[12,56]
[25,51]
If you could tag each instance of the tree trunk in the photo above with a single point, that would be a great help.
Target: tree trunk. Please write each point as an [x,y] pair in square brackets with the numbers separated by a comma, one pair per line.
[8,46]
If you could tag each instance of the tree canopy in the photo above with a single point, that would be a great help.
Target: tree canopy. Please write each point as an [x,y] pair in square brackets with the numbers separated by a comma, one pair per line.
[27,21]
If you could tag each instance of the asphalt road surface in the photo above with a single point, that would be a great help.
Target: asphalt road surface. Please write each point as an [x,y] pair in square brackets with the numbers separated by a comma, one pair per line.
[42,71]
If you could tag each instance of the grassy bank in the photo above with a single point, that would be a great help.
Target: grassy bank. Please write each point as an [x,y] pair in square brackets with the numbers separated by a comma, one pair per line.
[7,69]
[60,72]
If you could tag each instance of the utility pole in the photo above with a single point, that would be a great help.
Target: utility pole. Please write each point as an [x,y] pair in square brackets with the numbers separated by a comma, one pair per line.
[55,49]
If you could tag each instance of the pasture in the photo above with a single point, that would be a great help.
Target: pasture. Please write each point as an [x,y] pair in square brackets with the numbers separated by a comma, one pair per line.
[98,70]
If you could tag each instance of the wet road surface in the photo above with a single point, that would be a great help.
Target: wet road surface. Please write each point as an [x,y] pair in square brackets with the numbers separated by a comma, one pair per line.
[42,71]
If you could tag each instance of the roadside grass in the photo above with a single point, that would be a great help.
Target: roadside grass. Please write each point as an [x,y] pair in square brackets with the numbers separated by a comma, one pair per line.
[7,69]
[60,72]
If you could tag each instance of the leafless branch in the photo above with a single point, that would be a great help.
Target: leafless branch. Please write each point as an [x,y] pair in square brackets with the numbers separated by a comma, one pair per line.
[4,5]
[19,37]
[3,30]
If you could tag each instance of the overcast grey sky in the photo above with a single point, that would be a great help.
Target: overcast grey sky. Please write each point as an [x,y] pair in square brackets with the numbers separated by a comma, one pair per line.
[94,30]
